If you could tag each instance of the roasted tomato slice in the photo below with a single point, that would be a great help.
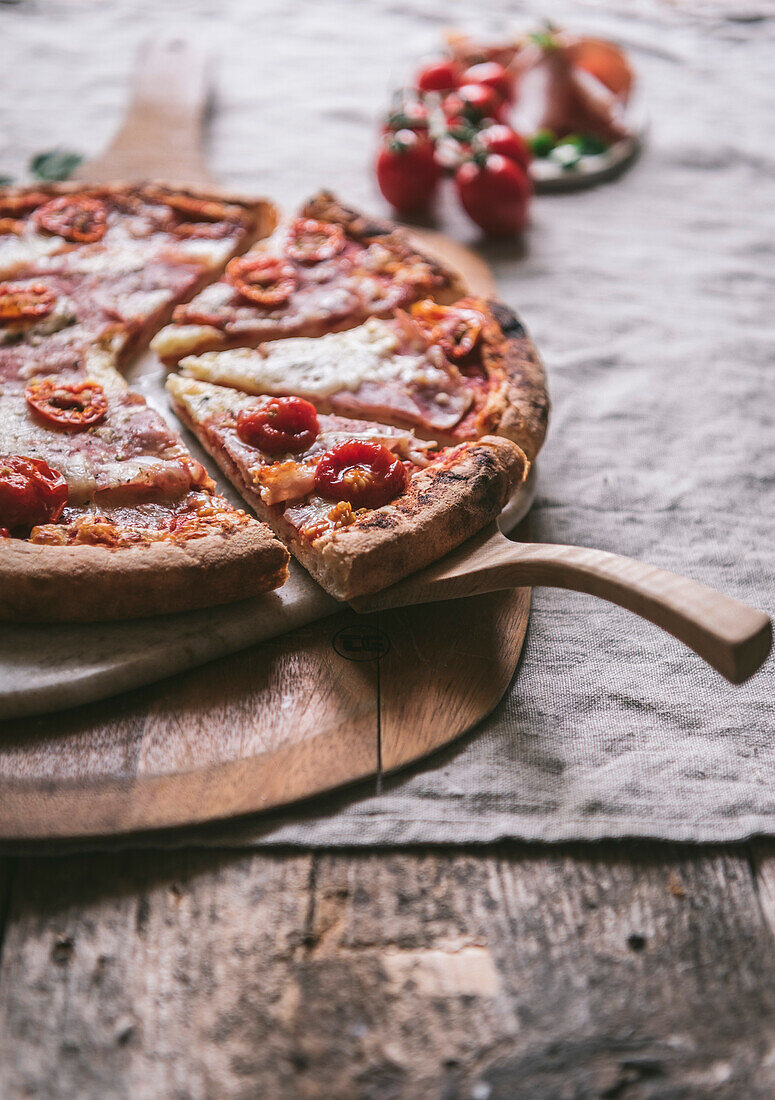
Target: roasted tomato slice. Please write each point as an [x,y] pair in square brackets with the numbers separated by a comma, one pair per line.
[362,472]
[267,280]
[206,231]
[30,492]
[456,331]
[82,219]
[68,405]
[24,302]
[281,425]
[310,241]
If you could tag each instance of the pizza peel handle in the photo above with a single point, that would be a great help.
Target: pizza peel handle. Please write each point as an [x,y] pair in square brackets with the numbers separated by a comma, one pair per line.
[161,135]
[732,637]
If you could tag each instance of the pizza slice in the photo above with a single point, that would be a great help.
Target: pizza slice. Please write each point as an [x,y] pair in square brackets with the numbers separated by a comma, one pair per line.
[361,505]
[450,373]
[105,515]
[327,270]
[108,264]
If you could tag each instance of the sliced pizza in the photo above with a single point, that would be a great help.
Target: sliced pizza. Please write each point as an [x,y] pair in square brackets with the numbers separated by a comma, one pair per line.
[104,514]
[450,373]
[360,504]
[327,270]
[108,264]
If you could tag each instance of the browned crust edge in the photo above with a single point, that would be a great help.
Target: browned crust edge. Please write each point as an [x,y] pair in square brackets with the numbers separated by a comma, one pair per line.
[442,508]
[525,418]
[95,583]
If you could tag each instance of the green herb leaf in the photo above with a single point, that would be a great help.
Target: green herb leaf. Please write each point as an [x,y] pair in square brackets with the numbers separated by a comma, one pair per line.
[542,143]
[6,181]
[56,164]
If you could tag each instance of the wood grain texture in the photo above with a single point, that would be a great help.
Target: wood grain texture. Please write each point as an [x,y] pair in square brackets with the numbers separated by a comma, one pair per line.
[161,135]
[292,717]
[512,973]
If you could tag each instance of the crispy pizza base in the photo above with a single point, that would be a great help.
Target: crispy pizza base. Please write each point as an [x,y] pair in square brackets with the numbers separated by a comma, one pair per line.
[97,583]
[443,505]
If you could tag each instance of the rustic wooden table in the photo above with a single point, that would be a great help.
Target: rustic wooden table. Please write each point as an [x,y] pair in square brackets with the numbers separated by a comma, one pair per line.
[621,971]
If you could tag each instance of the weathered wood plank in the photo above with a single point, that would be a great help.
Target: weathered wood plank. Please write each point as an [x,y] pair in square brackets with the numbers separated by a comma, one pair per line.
[639,973]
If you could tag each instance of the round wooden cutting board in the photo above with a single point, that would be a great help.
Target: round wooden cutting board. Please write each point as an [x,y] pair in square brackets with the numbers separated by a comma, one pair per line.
[341,700]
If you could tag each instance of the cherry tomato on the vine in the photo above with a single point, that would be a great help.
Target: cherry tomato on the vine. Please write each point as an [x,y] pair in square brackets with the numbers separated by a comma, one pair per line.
[475,101]
[407,172]
[439,76]
[505,141]
[495,193]
[491,75]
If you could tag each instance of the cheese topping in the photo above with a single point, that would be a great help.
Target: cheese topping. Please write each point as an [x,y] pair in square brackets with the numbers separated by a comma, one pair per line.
[318,368]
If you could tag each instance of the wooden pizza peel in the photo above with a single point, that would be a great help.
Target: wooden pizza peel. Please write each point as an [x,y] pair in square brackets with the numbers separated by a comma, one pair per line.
[346,698]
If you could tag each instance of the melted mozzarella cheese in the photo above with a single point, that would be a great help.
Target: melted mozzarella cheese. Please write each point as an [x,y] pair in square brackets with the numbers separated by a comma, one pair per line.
[317,367]
[26,249]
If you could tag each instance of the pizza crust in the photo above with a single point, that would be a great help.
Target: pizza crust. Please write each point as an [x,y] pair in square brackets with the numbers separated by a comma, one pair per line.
[96,583]
[526,404]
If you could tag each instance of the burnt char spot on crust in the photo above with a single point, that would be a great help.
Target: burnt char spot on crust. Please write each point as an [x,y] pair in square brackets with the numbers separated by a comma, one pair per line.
[382,520]
[510,324]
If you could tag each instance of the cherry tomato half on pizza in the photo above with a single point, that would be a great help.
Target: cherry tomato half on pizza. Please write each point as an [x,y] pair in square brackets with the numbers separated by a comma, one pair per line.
[67,405]
[455,330]
[31,492]
[282,425]
[82,219]
[362,472]
[309,241]
[24,302]
[266,280]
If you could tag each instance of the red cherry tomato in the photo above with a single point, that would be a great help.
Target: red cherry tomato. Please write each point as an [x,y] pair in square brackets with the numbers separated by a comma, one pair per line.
[495,194]
[477,101]
[24,303]
[407,115]
[407,172]
[439,76]
[30,492]
[362,472]
[506,142]
[281,425]
[491,75]
[78,218]
[266,280]
[310,241]
[67,405]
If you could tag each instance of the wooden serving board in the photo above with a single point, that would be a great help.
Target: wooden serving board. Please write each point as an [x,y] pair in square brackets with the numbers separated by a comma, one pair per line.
[340,700]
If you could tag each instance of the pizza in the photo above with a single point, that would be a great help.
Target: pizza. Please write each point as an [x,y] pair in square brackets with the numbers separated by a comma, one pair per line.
[450,373]
[327,270]
[371,414]
[360,504]
[103,512]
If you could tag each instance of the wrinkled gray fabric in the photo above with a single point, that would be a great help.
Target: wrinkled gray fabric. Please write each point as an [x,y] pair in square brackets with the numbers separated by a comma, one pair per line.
[652,302]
